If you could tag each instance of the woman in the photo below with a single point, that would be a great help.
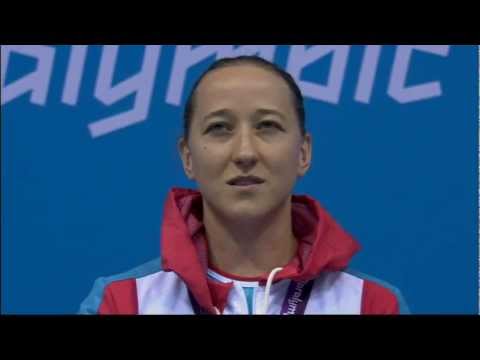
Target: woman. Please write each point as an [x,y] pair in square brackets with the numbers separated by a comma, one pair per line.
[242,243]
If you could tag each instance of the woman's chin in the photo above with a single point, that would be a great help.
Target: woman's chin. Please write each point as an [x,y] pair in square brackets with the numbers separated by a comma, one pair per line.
[247,210]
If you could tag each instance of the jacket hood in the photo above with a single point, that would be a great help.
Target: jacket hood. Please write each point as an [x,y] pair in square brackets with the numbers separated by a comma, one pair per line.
[322,245]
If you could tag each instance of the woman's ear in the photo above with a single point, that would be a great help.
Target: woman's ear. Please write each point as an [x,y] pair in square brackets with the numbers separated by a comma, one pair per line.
[305,155]
[186,157]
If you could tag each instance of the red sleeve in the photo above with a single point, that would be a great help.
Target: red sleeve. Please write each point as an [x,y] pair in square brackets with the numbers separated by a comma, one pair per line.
[378,300]
[119,298]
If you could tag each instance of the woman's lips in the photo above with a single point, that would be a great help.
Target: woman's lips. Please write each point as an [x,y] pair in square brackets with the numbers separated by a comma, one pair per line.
[245,181]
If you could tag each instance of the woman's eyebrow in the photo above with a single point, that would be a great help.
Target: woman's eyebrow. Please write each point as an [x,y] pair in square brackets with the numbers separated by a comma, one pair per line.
[269,112]
[218,113]
[228,114]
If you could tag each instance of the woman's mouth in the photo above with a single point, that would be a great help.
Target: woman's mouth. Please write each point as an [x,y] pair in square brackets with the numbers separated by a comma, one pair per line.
[244,181]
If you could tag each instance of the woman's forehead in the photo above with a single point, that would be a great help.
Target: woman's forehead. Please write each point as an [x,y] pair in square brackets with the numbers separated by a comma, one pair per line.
[241,76]
[243,85]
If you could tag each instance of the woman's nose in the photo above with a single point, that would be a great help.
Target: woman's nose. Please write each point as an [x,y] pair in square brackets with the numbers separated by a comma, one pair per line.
[245,155]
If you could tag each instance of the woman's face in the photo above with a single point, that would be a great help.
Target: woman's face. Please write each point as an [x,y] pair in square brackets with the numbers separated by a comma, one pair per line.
[245,149]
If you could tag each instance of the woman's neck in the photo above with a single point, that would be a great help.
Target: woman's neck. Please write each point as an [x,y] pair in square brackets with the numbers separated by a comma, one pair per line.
[251,247]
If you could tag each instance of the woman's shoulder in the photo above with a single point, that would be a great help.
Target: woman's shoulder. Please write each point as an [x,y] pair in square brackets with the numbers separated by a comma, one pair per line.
[103,298]
[379,296]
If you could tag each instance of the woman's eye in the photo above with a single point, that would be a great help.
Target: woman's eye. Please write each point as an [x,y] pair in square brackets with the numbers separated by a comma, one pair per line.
[217,128]
[270,125]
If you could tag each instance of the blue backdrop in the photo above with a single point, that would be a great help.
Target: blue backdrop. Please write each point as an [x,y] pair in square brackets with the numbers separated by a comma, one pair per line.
[89,153]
